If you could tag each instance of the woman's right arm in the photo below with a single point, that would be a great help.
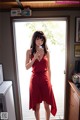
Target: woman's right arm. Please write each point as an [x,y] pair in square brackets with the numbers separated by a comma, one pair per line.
[29,62]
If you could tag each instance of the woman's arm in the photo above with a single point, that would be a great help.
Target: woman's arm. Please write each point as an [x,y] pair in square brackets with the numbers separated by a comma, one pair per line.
[49,70]
[30,62]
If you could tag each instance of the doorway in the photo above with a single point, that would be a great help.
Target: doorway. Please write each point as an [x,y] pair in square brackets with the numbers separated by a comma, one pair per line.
[55,31]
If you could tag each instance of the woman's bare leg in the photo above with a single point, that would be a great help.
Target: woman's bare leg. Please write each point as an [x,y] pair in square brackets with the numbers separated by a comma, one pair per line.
[47,110]
[37,112]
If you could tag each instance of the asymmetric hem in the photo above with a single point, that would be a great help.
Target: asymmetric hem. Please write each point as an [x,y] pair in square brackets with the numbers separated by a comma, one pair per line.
[40,86]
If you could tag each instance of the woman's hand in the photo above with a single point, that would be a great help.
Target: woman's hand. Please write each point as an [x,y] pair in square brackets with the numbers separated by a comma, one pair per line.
[36,55]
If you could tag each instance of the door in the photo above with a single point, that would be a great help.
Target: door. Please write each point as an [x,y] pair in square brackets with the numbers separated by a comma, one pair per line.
[55,31]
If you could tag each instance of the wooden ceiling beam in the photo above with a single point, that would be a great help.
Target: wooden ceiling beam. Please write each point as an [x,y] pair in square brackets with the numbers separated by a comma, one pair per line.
[37,4]
[48,0]
[39,0]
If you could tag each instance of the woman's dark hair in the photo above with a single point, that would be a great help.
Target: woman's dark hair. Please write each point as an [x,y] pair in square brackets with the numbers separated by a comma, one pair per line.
[38,34]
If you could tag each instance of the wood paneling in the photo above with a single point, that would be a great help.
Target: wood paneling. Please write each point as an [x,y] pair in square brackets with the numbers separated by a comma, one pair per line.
[74,103]
[8,4]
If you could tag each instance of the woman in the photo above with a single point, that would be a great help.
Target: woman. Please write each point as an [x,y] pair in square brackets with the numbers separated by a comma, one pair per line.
[38,58]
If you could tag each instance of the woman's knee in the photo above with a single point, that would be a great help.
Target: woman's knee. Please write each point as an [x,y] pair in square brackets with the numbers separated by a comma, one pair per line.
[46,106]
[37,107]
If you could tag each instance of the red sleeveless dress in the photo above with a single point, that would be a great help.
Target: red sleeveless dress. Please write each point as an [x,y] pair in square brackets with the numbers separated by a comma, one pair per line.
[40,86]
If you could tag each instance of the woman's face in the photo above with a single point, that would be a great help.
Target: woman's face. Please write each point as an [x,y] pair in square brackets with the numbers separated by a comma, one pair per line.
[39,42]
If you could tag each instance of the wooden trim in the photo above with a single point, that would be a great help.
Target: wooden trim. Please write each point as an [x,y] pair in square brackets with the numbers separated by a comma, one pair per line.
[67,70]
[75,88]
[67,59]
[46,9]
[18,108]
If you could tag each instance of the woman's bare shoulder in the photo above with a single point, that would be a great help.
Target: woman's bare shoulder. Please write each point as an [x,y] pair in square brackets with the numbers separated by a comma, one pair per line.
[47,53]
[28,51]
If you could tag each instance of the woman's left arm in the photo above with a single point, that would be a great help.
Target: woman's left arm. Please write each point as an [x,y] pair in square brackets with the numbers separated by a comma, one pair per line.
[49,70]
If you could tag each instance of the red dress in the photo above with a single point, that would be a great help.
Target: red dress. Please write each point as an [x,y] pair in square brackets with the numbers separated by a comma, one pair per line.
[40,86]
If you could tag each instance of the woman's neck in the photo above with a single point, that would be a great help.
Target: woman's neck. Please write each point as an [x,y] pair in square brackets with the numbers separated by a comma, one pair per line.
[37,48]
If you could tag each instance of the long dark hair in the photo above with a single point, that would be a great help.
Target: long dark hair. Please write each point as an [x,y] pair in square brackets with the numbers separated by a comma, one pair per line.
[38,34]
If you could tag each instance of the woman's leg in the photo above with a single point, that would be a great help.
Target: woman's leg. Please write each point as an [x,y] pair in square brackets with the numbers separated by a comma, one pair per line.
[37,112]
[47,110]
